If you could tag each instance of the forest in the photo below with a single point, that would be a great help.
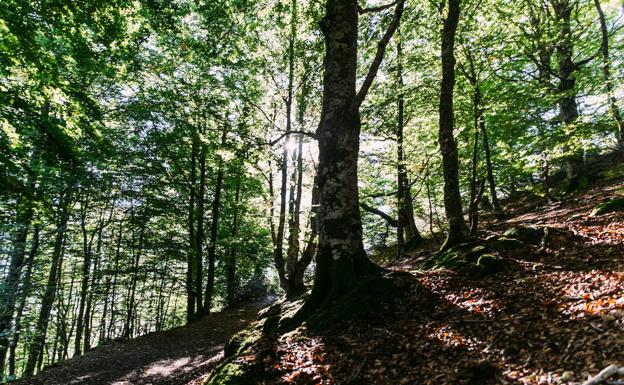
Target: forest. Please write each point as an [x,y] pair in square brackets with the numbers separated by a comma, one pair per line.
[311,192]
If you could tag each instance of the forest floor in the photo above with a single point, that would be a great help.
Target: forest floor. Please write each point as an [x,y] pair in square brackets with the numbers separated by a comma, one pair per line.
[175,356]
[554,316]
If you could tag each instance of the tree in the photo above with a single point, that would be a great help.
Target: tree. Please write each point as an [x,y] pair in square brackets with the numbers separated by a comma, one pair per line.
[457,230]
[340,259]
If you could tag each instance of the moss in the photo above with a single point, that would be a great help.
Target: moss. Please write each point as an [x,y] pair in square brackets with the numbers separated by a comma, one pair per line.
[615,173]
[230,373]
[244,339]
[504,243]
[610,206]
[471,259]
[490,264]
[527,234]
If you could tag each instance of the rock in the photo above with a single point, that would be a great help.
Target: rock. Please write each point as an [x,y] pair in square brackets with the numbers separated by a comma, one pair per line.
[526,234]
[491,264]
[506,244]
[610,206]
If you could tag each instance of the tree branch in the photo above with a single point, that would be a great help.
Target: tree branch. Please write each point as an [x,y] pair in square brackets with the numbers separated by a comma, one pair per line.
[380,8]
[381,49]
[308,134]
[391,221]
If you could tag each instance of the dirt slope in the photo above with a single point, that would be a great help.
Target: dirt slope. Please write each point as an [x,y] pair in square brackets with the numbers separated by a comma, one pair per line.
[175,356]
[555,316]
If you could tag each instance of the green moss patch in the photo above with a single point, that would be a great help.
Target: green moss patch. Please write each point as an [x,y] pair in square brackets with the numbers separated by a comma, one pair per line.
[474,259]
[526,234]
[610,206]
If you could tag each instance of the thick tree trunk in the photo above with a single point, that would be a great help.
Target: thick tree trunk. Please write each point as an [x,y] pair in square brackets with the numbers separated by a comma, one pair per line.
[606,63]
[457,230]
[37,344]
[341,259]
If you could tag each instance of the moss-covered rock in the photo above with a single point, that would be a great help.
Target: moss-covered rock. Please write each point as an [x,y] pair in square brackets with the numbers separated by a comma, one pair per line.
[491,264]
[229,373]
[473,259]
[243,339]
[506,244]
[526,234]
[610,206]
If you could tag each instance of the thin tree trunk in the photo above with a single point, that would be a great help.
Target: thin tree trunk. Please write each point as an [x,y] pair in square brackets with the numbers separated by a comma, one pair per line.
[200,234]
[214,231]
[191,261]
[111,324]
[36,347]
[231,281]
[408,235]
[9,288]
[606,63]
[23,296]
[457,230]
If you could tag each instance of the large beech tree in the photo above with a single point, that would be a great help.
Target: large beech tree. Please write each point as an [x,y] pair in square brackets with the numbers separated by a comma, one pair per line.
[340,259]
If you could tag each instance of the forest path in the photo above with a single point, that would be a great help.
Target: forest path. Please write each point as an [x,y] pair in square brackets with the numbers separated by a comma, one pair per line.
[175,356]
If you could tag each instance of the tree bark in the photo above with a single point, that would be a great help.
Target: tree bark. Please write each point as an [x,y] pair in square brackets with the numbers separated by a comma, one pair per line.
[9,289]
[26,283]
[341,259]
[606,63]
[457,230]
[568,108]
[191,290]
[214,231]
[37,344]
[200,233]
[230,269]
[408,235]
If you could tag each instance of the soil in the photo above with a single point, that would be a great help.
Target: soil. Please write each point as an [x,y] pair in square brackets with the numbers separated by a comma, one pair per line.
[177,356]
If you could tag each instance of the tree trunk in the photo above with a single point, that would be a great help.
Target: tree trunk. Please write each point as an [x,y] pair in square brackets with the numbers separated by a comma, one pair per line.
[568,109]
[341,260]
[231,281]
[408,235]
[190,259]
[214,231]
[200,234]
[23,296]
[457,230]
[9,288]
[606,63]
[37,344]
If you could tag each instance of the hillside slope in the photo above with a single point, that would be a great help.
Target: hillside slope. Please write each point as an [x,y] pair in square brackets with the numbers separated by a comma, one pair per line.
[554,315]
[176,356]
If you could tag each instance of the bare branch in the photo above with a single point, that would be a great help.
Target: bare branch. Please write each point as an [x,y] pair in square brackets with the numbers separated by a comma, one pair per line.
[381,49]
[372,210]
[379,8]
[308,134]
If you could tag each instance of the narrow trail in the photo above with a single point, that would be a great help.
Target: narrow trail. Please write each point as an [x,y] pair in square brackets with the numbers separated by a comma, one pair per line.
[176,356]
